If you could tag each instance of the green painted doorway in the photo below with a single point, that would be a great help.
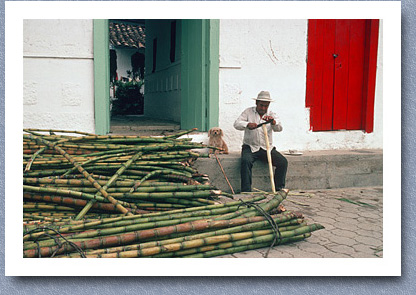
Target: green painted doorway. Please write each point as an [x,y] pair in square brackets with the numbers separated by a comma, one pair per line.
[199,75]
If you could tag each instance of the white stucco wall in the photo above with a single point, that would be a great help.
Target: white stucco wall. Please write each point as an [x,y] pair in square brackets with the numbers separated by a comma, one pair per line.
[58,74]
[124,61]
[271,55]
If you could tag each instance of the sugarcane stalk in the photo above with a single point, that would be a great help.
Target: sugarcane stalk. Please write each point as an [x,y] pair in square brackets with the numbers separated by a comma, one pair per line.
[86,174]
[279,219]
[119,183]
[223,172]
[145,189]
[173,213]
[125,220]
[164,195]
[108,184]
[149,175]
[107,231]
[175,247]
[101,204]
[63,192]
[274,202]
[93,160]
[200,213]
[92,233]
[48,207]
[262,239]
[180,133]
[236,249]
[57,130]
[131,237]
[77,202]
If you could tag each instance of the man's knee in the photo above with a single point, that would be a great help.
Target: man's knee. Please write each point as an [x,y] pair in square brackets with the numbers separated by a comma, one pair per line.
[246,161]
[284,161]
[279,160]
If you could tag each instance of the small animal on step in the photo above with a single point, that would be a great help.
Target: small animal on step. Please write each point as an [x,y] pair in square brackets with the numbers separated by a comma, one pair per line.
[215,135]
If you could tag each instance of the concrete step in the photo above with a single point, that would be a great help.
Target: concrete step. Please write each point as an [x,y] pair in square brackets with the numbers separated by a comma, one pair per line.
[142,131]
[142,126]
[311,170]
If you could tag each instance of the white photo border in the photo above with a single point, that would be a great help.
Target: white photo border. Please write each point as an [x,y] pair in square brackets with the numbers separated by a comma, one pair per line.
[390,14]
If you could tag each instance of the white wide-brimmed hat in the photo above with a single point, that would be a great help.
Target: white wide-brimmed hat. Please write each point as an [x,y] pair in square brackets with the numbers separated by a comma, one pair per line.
[264,96]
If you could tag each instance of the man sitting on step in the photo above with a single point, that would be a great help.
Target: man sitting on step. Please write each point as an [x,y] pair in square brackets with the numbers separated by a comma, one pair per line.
[254,143]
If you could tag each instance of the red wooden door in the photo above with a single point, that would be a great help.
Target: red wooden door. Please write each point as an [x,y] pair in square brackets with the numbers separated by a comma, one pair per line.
[341,70]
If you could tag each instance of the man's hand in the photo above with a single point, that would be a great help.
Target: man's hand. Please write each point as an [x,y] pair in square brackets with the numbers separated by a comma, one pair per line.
[252,126]
[268,118]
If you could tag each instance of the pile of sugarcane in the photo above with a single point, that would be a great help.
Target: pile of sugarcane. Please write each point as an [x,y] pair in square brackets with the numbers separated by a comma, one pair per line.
[137,196]
[197,232]
[110,174]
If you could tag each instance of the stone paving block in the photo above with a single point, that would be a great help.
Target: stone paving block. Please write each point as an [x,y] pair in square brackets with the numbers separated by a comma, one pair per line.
[365,249]
[306,246]
[347,220]
[368,240]
[332,205]
[369,226]
[370,233]
[343,240]
[298,253]
[315,237]
[345,214]
[363,255]
[286,247]
[344,249]
[326,243]
[344,233]
[324,220]
[248,254]
[371,215]
[327,214]
[346,226]
[277,253]
[362,219]
[313,248]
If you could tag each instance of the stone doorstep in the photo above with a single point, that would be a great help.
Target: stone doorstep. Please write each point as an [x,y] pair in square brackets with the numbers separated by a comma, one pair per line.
[144,127]
[312,170]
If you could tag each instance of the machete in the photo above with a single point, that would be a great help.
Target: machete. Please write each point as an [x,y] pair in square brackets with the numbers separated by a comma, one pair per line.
[264,123]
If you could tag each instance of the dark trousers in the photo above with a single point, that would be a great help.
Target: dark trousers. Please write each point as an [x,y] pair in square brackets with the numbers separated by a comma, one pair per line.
[247,160]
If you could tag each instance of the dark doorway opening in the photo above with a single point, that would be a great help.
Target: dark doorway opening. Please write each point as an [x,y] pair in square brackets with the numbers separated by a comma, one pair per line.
[128,78]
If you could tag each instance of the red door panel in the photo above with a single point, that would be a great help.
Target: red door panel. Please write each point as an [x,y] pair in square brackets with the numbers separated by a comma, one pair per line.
[315,81]
[328,74]
[356,75]
[342,50]
[341,70]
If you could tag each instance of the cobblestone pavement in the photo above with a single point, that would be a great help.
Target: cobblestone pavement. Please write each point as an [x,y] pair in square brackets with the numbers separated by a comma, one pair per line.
[353,221]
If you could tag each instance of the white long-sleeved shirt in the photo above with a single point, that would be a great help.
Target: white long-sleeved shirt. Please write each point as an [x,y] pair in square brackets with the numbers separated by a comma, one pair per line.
[255,138]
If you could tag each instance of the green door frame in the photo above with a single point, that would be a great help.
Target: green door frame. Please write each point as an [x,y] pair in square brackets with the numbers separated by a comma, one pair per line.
[101,77]
[200,74]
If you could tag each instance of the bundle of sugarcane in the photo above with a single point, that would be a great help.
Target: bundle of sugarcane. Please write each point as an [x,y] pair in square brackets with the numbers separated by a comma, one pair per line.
[204,231]
[83,173]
